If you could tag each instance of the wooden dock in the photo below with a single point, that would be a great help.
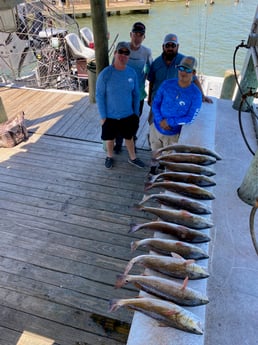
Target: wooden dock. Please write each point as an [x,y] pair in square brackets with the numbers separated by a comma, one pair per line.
[64,225]
[65,221]
[82,7]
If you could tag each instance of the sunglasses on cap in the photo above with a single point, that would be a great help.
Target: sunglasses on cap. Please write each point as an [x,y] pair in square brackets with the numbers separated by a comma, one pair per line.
[170,45]
[123,52]
[185,69]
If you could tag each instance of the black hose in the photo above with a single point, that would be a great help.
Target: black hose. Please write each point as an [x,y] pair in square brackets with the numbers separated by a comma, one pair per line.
[244,98]
[251,223]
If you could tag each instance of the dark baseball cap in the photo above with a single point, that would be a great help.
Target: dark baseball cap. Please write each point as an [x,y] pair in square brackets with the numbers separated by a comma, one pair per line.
[138,27]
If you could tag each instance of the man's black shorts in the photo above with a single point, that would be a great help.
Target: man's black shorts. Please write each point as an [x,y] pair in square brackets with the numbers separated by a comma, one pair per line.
[125,127]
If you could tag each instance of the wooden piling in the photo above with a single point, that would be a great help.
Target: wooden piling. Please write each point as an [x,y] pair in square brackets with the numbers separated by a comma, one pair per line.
[229,84]
[3,115]
[248,191]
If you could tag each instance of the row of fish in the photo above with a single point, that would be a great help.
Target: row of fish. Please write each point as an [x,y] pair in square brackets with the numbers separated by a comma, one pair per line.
[183,218]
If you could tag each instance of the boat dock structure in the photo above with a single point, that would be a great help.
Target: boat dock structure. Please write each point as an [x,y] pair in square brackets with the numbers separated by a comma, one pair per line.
[65,220]
[83,8]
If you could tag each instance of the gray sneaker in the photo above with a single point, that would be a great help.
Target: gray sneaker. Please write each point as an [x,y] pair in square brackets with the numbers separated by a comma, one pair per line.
[109,162]
[136,162]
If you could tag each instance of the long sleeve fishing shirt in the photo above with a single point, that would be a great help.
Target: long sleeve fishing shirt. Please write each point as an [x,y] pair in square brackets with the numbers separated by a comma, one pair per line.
[160,71]
[176,104]
[117,93]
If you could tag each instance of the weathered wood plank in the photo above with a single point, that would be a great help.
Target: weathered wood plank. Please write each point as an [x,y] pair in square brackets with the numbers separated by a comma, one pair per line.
[62,113]
[64,238]
[53,328]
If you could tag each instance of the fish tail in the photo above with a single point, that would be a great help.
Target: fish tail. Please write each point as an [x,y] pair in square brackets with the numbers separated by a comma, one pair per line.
[133,228]
[121,281]
[138,206]
[185,282]
[155,153]
[147,186]
[113,305]
[129,267]
[144,199]
[134,245]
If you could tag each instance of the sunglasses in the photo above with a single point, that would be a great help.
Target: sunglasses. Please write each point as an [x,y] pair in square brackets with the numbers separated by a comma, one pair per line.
[123,52]
[170,45]
[185,69]
[138,33]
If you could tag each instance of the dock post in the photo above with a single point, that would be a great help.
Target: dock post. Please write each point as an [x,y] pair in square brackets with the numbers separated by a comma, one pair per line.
[248,191]
[229,84]
[3,115]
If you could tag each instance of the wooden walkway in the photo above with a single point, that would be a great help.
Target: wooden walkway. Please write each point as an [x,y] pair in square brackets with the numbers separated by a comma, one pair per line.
[64,114]
[64,225]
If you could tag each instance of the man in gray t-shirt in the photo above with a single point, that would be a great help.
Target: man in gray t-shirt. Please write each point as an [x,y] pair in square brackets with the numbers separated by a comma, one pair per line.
[140,60]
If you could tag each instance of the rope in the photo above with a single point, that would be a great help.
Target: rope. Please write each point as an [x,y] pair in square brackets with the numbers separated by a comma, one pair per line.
[203,24]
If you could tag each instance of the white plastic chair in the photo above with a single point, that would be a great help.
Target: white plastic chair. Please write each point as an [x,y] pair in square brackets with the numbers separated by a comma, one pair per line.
[87,37]
[77,48]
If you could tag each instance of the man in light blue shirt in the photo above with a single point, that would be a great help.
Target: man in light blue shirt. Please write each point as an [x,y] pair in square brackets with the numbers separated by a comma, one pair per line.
[118,100]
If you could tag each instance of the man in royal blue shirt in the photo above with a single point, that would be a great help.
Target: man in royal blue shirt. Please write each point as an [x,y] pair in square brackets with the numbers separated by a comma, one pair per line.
[165,67]
[176,103]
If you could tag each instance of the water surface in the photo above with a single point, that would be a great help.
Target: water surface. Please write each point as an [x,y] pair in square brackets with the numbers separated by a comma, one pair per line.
[210,33]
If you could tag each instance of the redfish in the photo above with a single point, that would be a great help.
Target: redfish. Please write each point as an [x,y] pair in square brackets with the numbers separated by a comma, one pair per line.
[186,189]
[167,313]
[164,288]
[172,266]
[178,202]
[187,167]
[181,217]
[166,247]
[197,179]
[189,149]
[188,158]
[181,232]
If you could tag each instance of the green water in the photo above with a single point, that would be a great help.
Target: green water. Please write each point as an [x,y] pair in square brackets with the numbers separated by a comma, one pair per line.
[210,33]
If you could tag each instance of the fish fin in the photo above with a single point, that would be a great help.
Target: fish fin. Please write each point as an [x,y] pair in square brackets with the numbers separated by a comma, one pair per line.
[171,312]
[161,324]
[144,199]
[137,206]
[137,285]
[121,280]
[189,262]
[177,256]
[180,244]
[185,282]
[134,245]
[113,305]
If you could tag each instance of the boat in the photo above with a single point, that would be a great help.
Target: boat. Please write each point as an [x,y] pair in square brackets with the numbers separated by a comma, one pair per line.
[42,47]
